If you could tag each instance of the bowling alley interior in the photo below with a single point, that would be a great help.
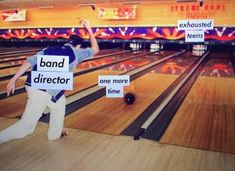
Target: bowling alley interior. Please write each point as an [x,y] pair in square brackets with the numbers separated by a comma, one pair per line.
[158,96]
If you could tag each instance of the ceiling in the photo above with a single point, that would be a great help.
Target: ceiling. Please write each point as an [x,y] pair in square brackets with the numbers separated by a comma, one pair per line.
[14,4]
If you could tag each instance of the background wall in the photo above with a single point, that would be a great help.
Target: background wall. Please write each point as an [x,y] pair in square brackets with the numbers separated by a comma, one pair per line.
[148,14]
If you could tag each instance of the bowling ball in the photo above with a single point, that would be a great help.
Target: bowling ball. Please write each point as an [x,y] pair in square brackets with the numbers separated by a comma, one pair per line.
[129,98]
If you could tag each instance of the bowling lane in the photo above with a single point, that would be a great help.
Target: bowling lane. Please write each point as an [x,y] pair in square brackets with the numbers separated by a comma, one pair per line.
[86,80]
[112,115]
[85,65]
[106,51]
[16,52]
[11,64]
[206,118]
[15,59]
[15,56]
[20,59]
[4,49]
[31,50]
[23,55]
[12,61]
[81,82]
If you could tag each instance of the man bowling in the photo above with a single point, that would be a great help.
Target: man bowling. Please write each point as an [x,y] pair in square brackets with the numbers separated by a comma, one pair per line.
[39,99]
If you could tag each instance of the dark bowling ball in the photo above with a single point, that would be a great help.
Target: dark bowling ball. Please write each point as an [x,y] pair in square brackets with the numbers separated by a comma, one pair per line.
[129,98]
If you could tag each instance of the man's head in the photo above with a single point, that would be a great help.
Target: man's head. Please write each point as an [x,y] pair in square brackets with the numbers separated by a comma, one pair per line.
[75,40]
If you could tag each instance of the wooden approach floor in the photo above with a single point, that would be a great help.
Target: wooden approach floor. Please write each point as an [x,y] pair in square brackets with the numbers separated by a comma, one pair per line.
[86,151]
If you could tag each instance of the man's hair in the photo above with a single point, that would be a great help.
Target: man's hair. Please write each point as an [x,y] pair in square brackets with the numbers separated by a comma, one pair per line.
[75,40]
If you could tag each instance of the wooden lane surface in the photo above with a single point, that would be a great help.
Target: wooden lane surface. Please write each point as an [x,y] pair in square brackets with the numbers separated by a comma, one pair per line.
[19,82]
[30,51]
[13,57]
[81,82]
[15,69]
[18,102]
[88,63]
[8,71]
[89,151]
[86,80]
[106,51]
[3,49]
[12,63]
[26,53]
[16,52]
[19,56]
[84,65]
[6,63]
[14,106]
[112,115]
[206,119]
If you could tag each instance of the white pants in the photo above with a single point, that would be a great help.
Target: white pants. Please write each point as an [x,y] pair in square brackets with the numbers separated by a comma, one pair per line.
[36,103]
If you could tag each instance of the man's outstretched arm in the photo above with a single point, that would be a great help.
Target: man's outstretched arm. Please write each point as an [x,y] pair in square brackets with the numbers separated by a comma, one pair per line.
[94,44]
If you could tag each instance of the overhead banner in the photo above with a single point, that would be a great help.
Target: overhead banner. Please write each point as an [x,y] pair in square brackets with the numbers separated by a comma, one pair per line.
[14,15]
[202,10]
[117,13]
